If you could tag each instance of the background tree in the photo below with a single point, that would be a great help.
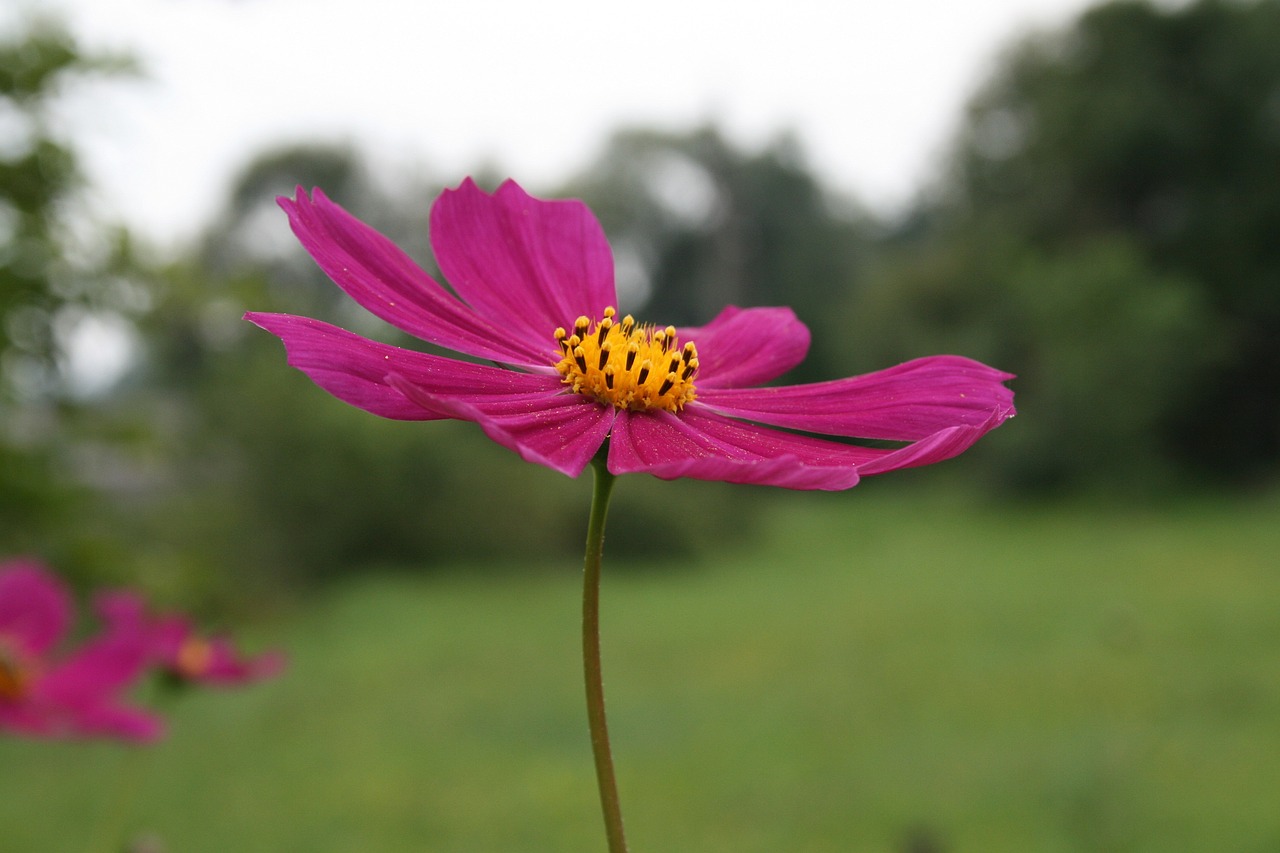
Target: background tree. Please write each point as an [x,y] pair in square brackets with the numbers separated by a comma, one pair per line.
[1108,231]
[58,270]
[1159,126]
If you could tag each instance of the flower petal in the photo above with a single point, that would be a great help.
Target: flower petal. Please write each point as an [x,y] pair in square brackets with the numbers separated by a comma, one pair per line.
[230,667]
[23,718]
[115,720]
[35,606]
[905,403]
[524,264]
[941,445]
[355,369]
[528,413]
[81,695]
[705,446]
[747,346]
[561,431]
[103,665]
[384,280]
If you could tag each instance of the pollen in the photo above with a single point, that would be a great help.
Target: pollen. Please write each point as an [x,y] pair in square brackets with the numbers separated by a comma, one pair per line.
[194,657]
[636,368]
[13,677]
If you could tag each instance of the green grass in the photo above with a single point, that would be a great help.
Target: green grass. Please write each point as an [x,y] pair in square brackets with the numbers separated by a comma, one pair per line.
[871,671]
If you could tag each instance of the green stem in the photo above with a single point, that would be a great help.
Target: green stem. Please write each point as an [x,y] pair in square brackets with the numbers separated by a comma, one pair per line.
[609,802]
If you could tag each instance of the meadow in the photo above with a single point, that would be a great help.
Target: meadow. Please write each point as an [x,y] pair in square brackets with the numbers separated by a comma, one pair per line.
[871,671]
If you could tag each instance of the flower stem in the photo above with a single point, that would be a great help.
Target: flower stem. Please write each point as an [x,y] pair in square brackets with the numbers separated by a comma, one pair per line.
[609,803]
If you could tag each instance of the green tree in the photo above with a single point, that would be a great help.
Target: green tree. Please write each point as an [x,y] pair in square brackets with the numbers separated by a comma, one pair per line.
[46,263]
[57,269]
[1160,126]
[1097,337]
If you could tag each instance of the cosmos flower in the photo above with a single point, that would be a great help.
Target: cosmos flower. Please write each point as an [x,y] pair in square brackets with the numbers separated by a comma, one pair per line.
[42,695]
[189,656]
[533,292]
[181,653]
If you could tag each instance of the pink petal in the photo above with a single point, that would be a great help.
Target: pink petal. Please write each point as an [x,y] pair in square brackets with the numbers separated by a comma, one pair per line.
[80,697]
[229,667]
[705,446]
[747,346]
[384,280]
[355,370]
[35,606]
[904,403]
[522,263]
[24,719]
[115,720]
[941,445]
[122,610]
[558,430]
[168,635]
[104,665]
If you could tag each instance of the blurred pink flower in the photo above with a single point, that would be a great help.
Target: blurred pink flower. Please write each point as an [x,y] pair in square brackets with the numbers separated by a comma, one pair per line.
[533,290]
[192,657]
[182,653]
[74,696]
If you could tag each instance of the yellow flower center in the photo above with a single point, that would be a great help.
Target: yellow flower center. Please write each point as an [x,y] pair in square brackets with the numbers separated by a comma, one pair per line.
[13,675]
[637,368]
[194,657]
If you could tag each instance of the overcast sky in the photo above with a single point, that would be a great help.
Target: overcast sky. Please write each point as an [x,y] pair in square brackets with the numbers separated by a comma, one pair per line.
[873,88]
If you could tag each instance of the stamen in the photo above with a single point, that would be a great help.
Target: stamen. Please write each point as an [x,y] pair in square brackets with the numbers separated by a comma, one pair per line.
[13,677]
[630,367]
[194,657]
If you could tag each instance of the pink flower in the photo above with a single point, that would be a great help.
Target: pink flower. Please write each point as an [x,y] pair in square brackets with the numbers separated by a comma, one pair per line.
[79,695]
[533,291]
[182,653]
[191,657]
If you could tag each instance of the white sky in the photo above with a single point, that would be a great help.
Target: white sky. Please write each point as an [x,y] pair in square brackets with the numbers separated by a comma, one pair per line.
[873,87]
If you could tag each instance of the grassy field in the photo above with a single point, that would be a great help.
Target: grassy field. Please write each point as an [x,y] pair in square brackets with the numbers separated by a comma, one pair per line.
[870,672]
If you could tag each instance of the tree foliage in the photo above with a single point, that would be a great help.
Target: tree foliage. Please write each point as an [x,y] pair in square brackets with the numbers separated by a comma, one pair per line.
[44,261]
[1160,127]
[57,268]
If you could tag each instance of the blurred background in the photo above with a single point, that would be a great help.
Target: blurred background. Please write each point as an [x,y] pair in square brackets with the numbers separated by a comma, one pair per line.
[1068,639]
